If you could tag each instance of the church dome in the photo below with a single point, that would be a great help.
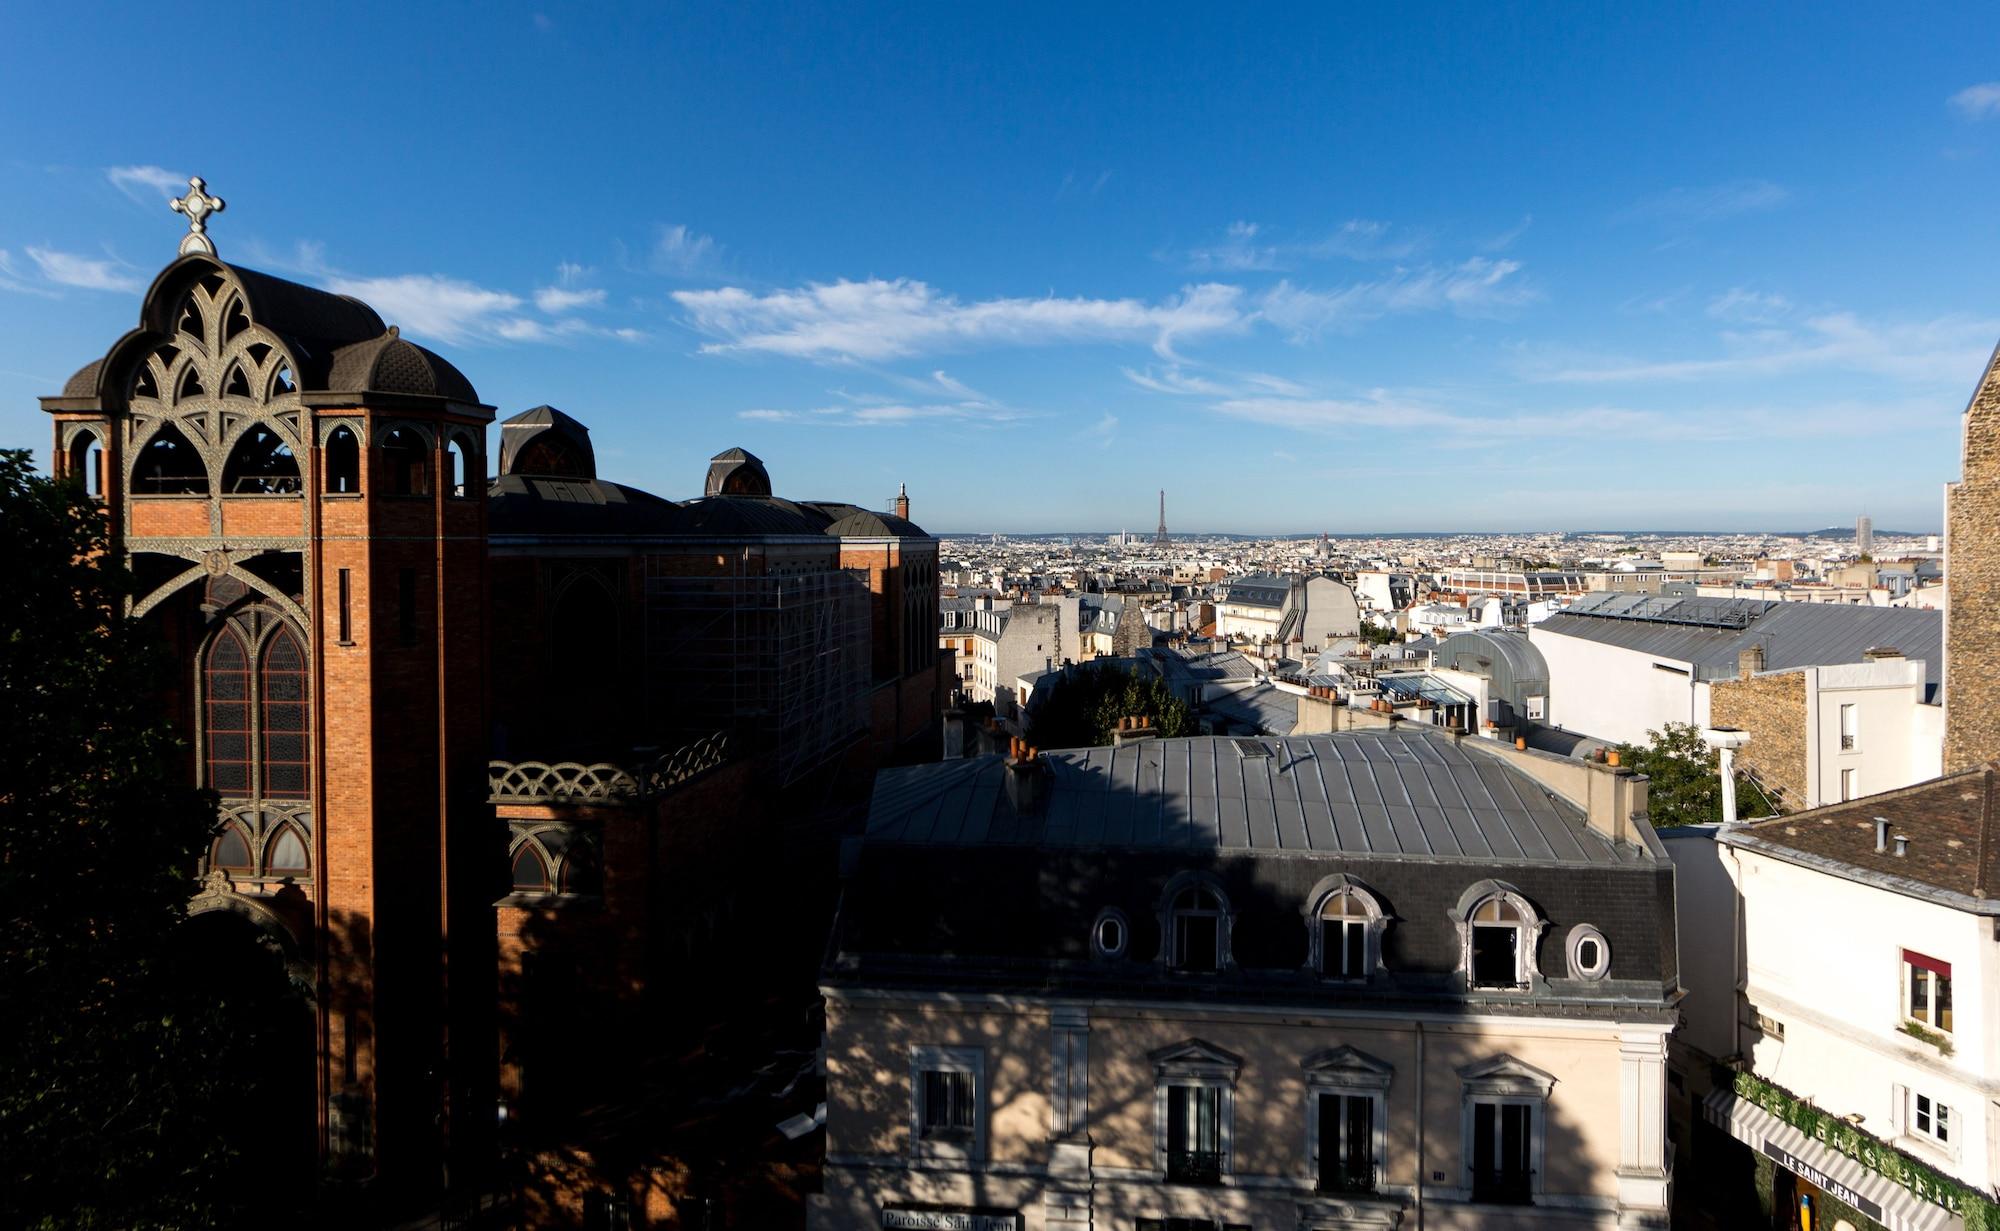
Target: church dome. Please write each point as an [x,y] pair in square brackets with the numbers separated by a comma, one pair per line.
[391,364]
[548,443]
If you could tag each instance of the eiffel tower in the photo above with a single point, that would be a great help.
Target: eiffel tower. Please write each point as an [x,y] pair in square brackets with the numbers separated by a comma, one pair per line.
[1160,535]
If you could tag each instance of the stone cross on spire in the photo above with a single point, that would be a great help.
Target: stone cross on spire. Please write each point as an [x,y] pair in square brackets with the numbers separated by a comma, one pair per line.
[197,205]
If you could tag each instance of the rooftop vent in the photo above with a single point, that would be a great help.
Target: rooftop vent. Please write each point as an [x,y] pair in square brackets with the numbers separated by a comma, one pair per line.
[1902,845]
[1250,749]
[1881,834]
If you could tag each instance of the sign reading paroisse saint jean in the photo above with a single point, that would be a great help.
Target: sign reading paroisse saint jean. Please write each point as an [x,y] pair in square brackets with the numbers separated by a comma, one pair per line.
[948,1220]
[1827,1184]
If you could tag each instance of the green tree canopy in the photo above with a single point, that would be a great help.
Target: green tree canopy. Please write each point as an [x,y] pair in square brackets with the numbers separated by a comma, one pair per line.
[1084,704]
[127,1071]
[1686,773]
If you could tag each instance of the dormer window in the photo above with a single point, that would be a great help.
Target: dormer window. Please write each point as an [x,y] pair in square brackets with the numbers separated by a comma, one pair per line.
[1498,929]
[1197,927]
[1496,944]
[1346,923]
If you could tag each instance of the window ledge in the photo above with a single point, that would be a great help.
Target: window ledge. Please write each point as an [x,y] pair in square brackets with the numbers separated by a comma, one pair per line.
[341,495]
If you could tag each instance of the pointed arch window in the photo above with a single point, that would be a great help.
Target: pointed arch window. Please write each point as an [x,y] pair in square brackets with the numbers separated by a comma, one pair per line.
[169,466]
[86,463]
[260,464]
[288,854]
[531,875]
[226,725]
[282,689]
[230,852]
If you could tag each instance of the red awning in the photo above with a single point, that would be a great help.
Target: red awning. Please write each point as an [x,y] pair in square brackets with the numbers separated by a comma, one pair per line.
[1927,963]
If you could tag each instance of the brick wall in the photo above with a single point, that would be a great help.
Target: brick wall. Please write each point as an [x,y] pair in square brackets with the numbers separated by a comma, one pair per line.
[1772,708]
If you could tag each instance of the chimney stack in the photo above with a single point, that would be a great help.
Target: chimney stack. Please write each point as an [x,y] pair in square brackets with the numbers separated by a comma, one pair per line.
[1750,661]
[902,509]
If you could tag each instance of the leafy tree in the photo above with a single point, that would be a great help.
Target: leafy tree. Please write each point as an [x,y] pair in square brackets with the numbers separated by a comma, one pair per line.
[117,1108]
[1686,773]
[1378,634]
[1085,703]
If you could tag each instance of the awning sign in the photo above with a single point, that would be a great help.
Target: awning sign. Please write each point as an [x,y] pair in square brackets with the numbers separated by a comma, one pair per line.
[1826,1183]
[948,1220]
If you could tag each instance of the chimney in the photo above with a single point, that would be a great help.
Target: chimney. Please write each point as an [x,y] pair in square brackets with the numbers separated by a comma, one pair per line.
[1902,845]
[1881,834]
[902,509]
[1750,661]
[1027,778]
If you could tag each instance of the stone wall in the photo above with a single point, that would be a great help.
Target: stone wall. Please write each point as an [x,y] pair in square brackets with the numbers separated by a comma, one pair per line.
[1772,708]
[1972,573]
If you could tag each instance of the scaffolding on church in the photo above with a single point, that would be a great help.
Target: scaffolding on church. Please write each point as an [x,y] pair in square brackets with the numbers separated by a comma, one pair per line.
[782,659]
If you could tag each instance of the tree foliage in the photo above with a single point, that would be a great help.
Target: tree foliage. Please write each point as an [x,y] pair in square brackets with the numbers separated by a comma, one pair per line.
[1686,773]
[1084,705]
[114,1106]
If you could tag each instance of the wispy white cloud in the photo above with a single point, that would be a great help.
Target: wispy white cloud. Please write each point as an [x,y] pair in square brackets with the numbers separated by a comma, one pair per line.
[881,319]
[1505,240]
[1250,247]
[1172,379]
[1707,203]
[568,293]
[960,403]
[1104,431]
[1927,351]
[1746,307]
[147,184]
[452,310]
[13,278]
[1480,286]
[87,272]
[1976,102]
[682,252]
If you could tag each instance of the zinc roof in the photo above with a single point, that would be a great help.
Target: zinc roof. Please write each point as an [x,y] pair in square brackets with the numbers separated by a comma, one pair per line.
[1382,794]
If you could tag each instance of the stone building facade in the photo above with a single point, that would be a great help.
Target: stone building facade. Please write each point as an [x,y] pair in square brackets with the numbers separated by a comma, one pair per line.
[1972,575]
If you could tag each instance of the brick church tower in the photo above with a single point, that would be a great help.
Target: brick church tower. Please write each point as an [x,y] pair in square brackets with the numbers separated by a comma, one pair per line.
[299,492]
[1972,580]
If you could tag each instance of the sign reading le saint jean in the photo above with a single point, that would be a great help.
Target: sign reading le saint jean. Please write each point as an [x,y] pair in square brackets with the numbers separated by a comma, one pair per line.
[1827,1184]
[948,1220]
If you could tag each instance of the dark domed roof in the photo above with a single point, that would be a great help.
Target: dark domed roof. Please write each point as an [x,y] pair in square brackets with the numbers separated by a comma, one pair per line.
[391,364]
[84,383]
[864,524]
[534,505]
[748,515]
[737,472]
[545,441]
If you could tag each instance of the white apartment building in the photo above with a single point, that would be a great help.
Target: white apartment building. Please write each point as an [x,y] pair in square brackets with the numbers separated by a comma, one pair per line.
[1868,963]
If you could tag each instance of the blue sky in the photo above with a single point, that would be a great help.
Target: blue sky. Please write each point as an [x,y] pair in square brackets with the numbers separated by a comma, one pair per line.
[1439,268]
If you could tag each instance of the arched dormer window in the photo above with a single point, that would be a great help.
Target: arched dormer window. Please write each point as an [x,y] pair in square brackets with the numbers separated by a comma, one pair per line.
[531,872]
[1346,923]
[260,464]
[169,466]
[406,461]
[1498,929]
[341,467]
[1195,923]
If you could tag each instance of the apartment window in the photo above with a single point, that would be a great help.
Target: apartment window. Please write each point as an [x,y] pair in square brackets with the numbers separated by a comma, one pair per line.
[1194,1134]
[1848,789]
[947,1097]
[346,608]
[1927,991]
[1505,1102]
[1589,953]
[1930,1119]
[1347,1092]
[1194,1093]
[1345,922]
[1849,729]
[1110,934]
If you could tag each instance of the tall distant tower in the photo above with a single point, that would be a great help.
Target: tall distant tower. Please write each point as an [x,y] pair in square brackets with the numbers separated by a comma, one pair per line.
[1972,572]
[1864,535]
[1160,536]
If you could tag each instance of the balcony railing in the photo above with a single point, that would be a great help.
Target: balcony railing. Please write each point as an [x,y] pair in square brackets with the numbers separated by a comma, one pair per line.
[1194,1166]
[1503,1187]
[1347,1178]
